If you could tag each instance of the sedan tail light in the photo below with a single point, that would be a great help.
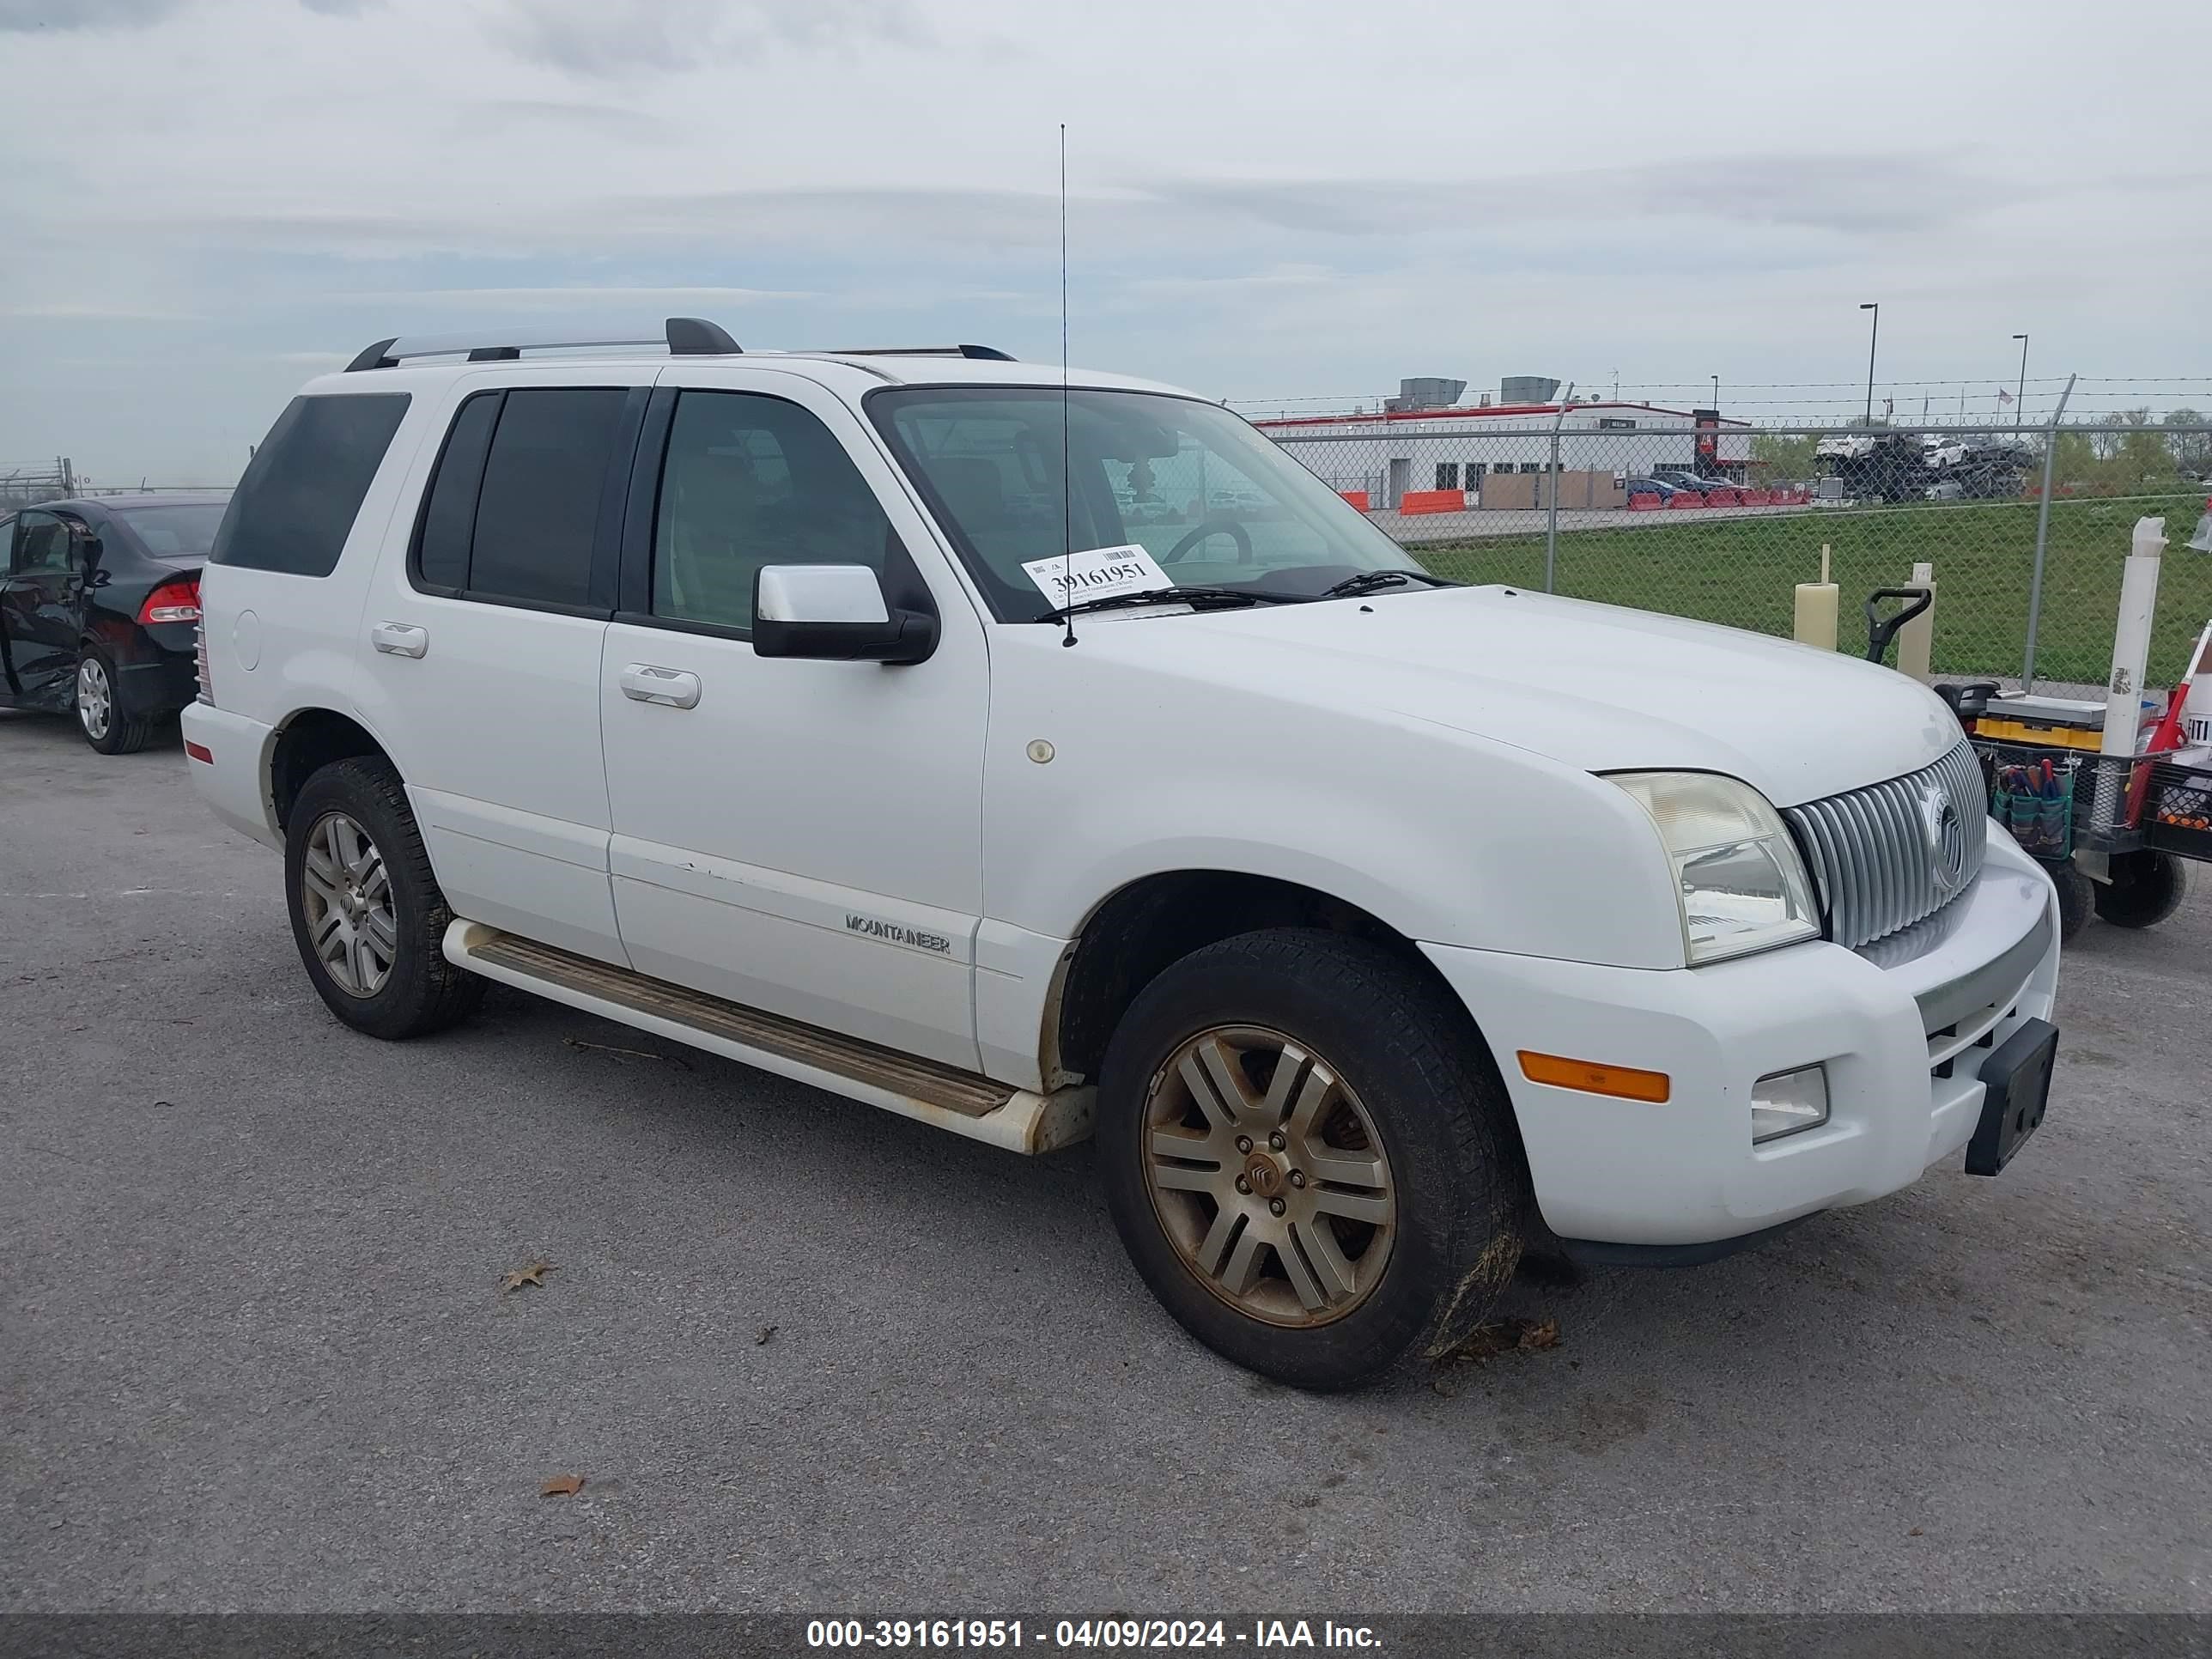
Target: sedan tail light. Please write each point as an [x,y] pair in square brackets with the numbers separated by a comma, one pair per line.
[173,602]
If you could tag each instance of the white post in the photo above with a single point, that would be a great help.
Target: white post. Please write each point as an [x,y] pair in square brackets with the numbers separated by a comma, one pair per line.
[1815,619]
[2131,656]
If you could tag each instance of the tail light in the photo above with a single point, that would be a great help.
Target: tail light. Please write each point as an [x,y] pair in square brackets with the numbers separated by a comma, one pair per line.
[173,602]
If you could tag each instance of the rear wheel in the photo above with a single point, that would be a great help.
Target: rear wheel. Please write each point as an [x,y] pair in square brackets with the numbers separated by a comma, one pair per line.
[366,912]
[1310,1157]
[2146,888]
[99,712]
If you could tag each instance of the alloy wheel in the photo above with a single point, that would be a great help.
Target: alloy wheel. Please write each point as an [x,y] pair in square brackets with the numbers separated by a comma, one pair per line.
[1268,1176]
[345,893]
[95,698]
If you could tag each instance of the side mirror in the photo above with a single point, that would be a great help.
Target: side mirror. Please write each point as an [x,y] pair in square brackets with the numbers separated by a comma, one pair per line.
[88,550]
[835,613]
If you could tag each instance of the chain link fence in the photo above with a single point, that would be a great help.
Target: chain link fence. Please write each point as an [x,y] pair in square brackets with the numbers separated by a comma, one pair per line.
[1719,521]
[42,481]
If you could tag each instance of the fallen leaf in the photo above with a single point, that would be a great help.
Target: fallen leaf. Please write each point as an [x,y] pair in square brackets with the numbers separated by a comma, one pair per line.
[533,1274]
[1917,1531]
[1543,1334]
[561,1485]
[766,1334]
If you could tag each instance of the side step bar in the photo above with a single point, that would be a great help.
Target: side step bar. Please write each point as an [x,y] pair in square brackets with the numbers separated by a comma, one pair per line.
[1018,1119]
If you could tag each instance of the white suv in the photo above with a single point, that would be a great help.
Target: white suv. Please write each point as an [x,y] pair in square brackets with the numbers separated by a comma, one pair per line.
[1377,925]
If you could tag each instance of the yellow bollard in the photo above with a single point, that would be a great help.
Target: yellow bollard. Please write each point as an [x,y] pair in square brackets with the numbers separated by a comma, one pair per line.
[1816,609]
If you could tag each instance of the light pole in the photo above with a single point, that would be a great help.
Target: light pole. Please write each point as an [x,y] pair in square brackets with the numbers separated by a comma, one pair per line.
[2019,403]
[1874,305]
[1716,394]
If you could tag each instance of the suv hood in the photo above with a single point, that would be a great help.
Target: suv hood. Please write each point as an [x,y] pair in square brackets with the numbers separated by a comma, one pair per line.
[1597,687]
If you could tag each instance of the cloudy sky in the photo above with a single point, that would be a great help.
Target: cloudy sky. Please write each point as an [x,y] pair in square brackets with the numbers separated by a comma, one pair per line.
[204,202]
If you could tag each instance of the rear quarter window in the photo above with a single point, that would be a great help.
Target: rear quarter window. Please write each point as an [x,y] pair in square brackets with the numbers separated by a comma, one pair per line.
[295,506]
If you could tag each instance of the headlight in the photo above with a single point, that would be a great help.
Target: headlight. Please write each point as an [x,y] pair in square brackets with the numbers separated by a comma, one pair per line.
[1741,884]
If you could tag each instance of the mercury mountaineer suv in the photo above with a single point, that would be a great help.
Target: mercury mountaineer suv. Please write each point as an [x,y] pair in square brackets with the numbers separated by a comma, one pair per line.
[1040,760]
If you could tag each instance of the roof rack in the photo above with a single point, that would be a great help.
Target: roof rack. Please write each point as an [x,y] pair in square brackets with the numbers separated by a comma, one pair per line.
[987,353]
[685,336]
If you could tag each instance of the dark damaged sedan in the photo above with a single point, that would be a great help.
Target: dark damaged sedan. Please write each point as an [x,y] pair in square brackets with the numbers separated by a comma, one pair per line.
[101,607]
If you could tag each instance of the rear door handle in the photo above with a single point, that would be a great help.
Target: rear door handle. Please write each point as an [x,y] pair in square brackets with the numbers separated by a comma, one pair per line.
[399,639]
[671,688]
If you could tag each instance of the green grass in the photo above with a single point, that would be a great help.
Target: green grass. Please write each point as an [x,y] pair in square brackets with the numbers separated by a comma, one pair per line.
[1743,571]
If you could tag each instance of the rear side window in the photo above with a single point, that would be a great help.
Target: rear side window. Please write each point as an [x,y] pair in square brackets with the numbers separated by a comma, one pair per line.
[538,512]
[295,506]
[449,517]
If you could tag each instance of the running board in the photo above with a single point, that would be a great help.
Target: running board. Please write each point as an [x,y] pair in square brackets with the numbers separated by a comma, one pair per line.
[1018,1119]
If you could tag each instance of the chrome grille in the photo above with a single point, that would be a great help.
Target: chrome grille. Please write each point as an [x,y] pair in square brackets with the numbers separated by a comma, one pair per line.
[1880,856]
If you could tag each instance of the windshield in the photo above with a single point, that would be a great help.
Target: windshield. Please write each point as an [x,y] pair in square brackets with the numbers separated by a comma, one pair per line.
[1211,501]
[175,535]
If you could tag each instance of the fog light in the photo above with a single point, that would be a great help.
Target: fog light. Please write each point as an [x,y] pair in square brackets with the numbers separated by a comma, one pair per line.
[1787,1101]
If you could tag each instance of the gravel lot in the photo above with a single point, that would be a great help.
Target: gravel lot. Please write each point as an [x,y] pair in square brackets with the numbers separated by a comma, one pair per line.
[253,1352]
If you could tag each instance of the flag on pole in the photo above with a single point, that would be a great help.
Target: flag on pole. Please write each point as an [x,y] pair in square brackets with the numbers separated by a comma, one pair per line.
[2004,397]
[1888,407]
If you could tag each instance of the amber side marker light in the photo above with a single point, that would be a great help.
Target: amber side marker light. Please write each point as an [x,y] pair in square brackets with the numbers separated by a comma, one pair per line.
[1592,1078]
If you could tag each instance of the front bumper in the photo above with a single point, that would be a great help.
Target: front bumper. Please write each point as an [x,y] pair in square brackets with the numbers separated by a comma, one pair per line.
[1902,1027]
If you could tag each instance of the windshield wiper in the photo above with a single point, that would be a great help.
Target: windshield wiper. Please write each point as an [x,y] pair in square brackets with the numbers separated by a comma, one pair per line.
[1368,581]
[1175,596]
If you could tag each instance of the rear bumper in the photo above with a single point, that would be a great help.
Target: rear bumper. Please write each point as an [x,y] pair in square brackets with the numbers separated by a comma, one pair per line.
[161,683]
[1902,1093]
[227,756]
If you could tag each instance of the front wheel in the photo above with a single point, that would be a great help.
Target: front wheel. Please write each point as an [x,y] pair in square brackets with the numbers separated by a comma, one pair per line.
[1309,1155]
[366,911]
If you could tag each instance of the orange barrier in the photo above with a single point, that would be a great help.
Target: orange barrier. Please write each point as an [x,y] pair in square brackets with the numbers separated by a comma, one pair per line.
[1433,501]
[1356,497]
[1644,502]
[1755,497]
[1720,498]
[1682,498]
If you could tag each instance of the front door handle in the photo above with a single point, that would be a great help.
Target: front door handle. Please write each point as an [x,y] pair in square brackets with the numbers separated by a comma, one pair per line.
[399,639]
[671,688]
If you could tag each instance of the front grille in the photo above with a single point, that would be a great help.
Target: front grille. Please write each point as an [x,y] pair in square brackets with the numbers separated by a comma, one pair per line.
[1886,856]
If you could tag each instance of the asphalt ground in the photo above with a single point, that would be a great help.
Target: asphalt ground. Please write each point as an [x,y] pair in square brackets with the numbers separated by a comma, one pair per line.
[254,1352]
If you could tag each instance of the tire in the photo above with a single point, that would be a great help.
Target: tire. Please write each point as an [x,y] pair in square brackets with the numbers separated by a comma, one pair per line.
[1411,1114]
[99,708]
[351,837]
[2146,887]
[2076,895]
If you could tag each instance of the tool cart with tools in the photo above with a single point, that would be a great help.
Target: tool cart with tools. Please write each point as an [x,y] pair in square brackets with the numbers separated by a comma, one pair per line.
[2114,797]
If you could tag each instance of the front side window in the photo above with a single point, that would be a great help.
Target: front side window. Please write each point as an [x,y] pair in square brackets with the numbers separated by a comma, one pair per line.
[751,481]
[295,506]
[1212,501]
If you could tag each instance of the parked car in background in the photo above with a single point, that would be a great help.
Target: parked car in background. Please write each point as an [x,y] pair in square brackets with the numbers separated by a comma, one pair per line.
[1658,487]
[99,614]
[1675,479]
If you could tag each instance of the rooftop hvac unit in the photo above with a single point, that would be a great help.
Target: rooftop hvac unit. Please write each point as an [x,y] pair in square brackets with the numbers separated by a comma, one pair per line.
[1425,392]
[1527,389]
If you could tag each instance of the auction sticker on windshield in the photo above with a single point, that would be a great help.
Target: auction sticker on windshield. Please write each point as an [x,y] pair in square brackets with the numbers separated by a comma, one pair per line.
[1096,573]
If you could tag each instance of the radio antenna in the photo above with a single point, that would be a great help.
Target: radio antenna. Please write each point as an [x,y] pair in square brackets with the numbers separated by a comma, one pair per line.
[1066,475]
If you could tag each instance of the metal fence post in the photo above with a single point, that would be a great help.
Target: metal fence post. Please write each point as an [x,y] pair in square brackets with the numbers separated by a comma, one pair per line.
[1552,484]
[2042,538]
